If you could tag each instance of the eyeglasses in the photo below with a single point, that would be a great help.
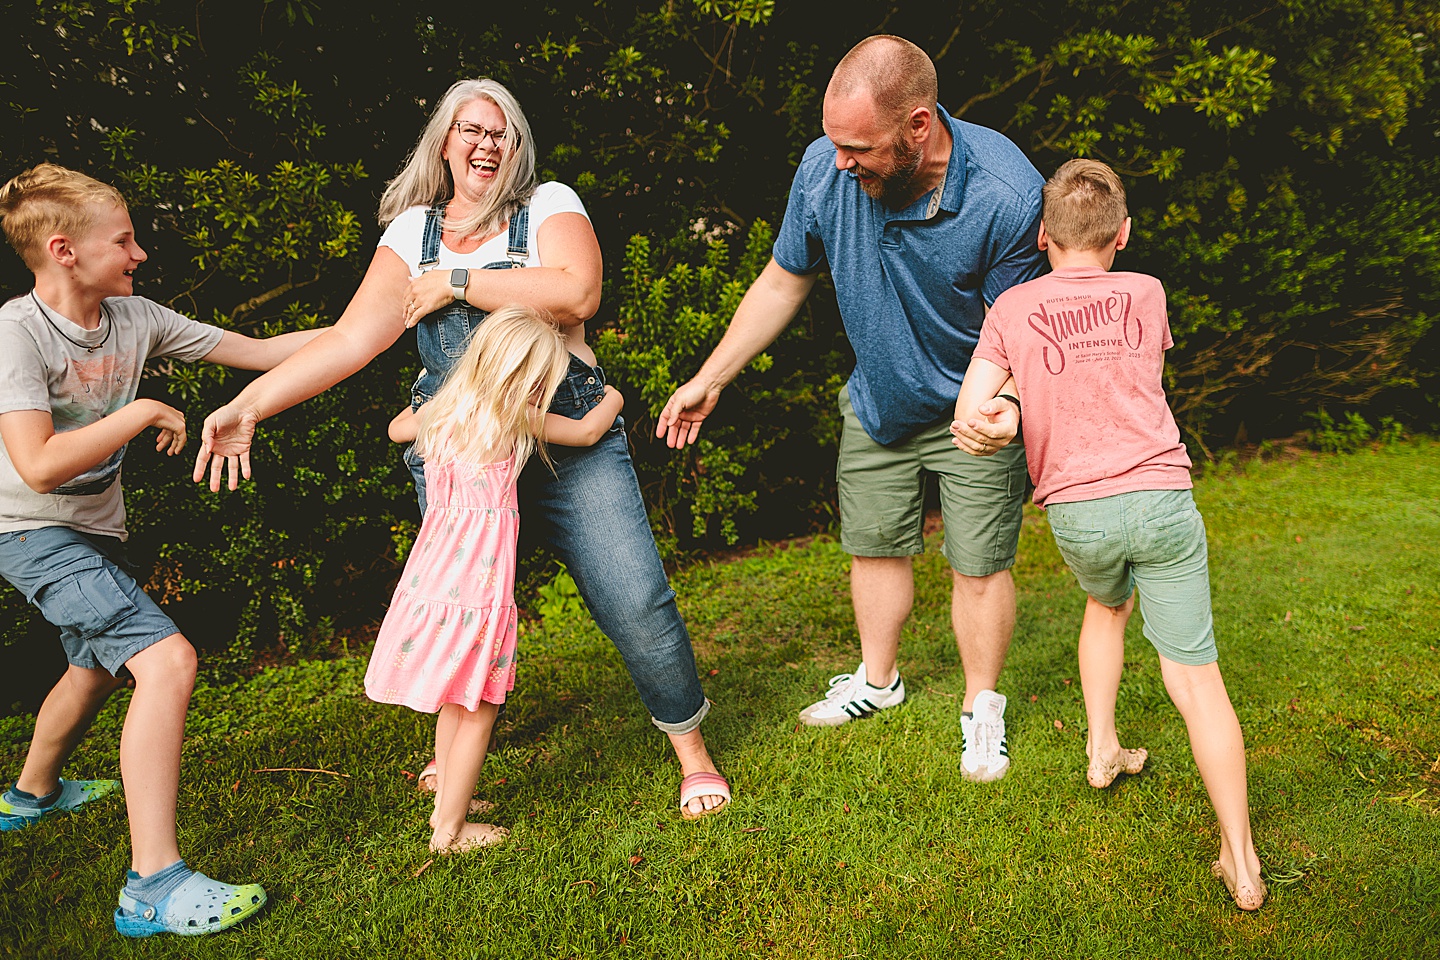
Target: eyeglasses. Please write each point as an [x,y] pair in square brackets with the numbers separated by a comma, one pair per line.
[474,134]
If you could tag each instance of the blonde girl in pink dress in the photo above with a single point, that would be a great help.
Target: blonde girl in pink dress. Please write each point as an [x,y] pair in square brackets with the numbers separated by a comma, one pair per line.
[447,645]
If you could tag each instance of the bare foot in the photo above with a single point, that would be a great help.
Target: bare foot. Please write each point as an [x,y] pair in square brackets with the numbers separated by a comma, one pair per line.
[1248,891]
[477,808]
[1104,770]
[472,836]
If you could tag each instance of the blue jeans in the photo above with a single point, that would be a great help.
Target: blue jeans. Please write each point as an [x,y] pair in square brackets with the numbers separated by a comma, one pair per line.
[590,513]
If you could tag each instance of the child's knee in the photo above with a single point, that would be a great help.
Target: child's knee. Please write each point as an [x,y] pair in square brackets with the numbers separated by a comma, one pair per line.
[171,662]
[1186,682]
[1121,611]
[93,683]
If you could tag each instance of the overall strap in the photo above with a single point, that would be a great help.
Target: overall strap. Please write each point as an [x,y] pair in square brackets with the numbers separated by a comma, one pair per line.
[519,242]
[430,241]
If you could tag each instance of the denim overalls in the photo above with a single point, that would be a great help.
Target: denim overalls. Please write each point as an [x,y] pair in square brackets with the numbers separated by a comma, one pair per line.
[442,336]
[588,510]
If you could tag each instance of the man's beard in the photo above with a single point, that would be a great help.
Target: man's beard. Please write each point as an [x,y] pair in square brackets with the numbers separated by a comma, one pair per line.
[894,188]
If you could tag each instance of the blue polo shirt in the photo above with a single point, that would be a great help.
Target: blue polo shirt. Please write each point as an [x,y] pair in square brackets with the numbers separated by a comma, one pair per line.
[912,290]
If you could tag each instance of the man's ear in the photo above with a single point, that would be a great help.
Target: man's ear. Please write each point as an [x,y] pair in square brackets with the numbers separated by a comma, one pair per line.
[919,124]
[1043,240]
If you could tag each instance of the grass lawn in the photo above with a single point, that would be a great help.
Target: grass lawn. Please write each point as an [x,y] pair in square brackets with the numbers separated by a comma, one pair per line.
[860,841]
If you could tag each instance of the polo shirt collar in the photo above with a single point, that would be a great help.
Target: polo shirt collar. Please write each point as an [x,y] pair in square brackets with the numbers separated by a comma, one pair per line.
[955,176]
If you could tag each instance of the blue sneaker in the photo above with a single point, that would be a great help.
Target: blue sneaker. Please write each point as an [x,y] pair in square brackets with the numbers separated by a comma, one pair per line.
[17,814]
[199,905]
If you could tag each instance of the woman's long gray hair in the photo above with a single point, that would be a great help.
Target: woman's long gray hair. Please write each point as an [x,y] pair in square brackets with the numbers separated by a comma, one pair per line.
[425,178]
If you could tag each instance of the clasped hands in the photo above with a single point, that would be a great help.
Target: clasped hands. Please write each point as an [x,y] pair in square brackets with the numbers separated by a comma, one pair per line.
[995,424]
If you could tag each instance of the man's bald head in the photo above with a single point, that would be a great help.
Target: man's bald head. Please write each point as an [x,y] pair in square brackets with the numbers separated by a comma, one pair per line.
[897,75]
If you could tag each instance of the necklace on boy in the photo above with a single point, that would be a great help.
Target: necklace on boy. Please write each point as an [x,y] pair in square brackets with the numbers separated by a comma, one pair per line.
[104,315]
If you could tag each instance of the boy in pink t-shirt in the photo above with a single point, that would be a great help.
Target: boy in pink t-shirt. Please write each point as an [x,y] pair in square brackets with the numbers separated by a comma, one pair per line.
[1086,350]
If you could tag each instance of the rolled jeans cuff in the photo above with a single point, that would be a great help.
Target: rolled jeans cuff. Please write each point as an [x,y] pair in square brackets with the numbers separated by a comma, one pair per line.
[684,726]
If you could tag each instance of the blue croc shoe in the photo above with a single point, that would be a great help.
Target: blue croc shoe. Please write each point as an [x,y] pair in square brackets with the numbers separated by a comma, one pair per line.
[199,905]
[16,814]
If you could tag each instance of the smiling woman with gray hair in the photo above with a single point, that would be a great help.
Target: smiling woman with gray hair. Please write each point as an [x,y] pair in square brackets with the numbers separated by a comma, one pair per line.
[463,211]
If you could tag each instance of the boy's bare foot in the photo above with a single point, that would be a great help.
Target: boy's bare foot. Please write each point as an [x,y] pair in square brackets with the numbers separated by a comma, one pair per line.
[1248,891]
[1104,770]
[472,836]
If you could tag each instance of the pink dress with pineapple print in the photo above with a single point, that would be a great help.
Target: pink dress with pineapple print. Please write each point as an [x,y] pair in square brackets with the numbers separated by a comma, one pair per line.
[449,635]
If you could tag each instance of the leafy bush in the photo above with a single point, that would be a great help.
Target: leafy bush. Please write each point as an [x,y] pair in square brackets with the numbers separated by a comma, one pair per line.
[767,451]
[1349,435]
[1280,162]
[559,598]
[1291,292]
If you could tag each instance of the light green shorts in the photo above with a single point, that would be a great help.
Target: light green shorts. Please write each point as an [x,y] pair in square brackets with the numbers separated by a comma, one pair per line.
[882,496]
[1153,541]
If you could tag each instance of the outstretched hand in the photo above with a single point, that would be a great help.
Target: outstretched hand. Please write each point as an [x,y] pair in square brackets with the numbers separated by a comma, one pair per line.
[995,425]
[225,446]
[687,408]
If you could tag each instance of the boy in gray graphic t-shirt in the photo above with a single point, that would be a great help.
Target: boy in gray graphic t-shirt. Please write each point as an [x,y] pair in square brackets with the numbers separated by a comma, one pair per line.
[71,355]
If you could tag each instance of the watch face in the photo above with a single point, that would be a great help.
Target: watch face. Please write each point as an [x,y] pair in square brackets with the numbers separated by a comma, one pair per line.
[459,277]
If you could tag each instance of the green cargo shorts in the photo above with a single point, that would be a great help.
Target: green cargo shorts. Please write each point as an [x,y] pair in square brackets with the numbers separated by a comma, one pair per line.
[882,496]
[1147,540]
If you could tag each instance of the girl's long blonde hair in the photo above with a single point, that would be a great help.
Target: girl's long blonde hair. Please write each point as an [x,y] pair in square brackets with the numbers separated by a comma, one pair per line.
[425,178]
[493,399]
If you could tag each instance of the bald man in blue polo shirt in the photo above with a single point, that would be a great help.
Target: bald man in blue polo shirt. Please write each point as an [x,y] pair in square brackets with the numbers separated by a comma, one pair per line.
[922,221]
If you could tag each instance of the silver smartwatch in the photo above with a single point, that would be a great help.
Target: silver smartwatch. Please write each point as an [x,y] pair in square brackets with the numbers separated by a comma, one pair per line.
[459,280]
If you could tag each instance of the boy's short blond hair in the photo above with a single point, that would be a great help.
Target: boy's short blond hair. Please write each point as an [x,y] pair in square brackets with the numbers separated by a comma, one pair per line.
[1084,206]
[47,200]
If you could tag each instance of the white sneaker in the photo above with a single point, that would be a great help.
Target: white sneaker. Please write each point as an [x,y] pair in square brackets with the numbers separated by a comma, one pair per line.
[986,757]
[852,698]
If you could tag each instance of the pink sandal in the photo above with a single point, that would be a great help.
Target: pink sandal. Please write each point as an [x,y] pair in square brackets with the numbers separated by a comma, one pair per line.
[703,785]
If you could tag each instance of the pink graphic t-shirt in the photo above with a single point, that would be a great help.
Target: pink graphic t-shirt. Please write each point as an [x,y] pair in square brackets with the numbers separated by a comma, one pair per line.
[1087,349]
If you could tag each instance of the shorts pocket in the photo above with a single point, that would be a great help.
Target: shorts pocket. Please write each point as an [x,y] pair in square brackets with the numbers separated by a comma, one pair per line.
[1090,553]
[86,600]
[1077,536]
[1187,515]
